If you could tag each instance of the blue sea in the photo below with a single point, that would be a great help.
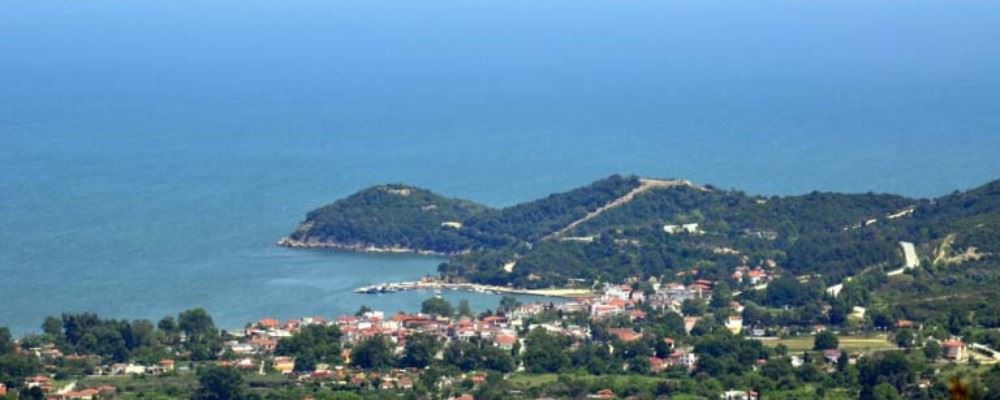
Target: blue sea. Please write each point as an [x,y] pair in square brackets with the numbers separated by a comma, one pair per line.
[151,153]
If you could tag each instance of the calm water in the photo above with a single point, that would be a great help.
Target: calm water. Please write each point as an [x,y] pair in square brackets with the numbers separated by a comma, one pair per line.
[150,154]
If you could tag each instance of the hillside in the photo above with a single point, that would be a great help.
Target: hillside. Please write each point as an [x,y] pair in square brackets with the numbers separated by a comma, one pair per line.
[388,218]
[621,227]
[404,218]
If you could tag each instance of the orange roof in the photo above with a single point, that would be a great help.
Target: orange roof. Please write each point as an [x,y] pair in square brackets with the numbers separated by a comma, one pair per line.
[626,335]
[618,303]
[269,323]
[508,340]
[82,393]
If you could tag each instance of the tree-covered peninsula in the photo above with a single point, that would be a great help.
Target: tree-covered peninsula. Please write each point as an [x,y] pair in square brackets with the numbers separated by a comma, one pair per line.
[625,227]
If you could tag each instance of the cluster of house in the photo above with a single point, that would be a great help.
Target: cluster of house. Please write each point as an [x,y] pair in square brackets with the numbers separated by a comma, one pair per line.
[44,383]
[261,338]
[751,276]
[249,348]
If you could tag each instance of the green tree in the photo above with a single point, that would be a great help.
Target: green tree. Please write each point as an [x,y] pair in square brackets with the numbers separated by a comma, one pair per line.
[777,369]
[196,323]
[15,367]
[373,353]
[825,340]
[215,383]
[437,306]
[693,307]
[932,350]
[639,365]
[6,341]
[419,350]
[788,291]
[34,393]
[464,309]
[310,345]
[52,326]
[905,338]
[545,352]
[168,325]
[721,296]
[362,311]
[885,391]
[888,367]
[462,355]
[496,359]
[508,303]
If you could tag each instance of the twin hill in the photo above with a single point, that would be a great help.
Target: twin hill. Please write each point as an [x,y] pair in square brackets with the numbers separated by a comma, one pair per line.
[621,227]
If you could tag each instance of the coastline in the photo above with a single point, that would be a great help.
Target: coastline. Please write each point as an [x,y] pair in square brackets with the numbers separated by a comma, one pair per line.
[313,243]
[565,293]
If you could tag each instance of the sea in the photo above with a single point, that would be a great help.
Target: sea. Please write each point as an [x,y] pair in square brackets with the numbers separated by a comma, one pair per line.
[151,153]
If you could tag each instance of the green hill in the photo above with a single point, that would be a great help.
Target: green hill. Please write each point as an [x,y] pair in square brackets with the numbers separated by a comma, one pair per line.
[621,227]
[388,217]
[405,218]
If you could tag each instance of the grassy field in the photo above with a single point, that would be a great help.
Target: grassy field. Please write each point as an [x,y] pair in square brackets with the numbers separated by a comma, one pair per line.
[848,343]
[532,380]
[524,380]
[164,386]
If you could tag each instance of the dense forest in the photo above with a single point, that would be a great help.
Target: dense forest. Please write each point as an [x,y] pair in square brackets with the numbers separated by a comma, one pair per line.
[829,236]
[400,216]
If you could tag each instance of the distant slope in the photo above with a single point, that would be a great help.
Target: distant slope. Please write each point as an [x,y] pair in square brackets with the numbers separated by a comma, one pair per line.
[971,219]
[644,185]
[531,221]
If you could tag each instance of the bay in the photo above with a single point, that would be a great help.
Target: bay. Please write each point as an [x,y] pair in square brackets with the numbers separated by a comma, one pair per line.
[151,154]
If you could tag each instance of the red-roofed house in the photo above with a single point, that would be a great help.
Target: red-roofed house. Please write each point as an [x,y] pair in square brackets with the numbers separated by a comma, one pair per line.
[756,276]
[269,323]
[505,341]
[626,335]
[82,394]
[602,394]
[657,364]
[39,381]
[955,350]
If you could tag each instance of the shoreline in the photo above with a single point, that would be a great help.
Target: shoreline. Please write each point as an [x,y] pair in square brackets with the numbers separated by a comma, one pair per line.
[565,293]
[288,242]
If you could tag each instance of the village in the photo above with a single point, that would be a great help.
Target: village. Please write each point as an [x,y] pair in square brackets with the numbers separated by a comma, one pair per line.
[253,349]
